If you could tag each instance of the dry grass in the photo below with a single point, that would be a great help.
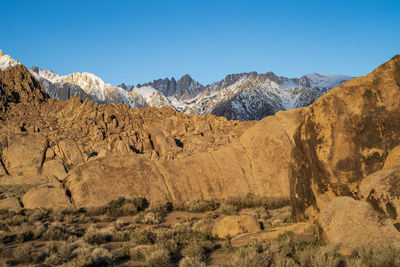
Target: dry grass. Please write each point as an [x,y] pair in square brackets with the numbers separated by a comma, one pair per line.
[96,237]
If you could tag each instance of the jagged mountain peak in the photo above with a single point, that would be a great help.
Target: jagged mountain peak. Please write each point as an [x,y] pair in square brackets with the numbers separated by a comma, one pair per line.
[7,61]
[242,96]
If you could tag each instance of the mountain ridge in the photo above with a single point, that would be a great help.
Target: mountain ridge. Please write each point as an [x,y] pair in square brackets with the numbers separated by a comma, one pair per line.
[242,96]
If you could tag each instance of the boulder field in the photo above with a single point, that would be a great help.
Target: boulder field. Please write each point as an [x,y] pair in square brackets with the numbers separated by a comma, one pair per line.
[337,160]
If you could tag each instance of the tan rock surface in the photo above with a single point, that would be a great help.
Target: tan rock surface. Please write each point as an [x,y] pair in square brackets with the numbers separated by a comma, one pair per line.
[233,225]
[10,204]
[273,233]
[268,148]
[54,168]
[71,153]
[104,179]
[26,179]
[382,190]
[346,135]
[351,224]
[46,196]
[49,154]
[24,153]
[393,158]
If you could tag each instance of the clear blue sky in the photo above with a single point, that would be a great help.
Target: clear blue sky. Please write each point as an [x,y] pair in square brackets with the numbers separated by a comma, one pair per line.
[138,41]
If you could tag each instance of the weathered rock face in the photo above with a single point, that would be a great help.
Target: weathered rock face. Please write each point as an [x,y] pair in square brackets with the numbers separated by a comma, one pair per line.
[24,153]
[233,225]
[10,204]
[54,168]
[346,135]
[102,180]
[300,228]
[71,153]
[253,163]
[268,146]
[18,85]
[393,159]
[382,190]
[46,196]
[351,224]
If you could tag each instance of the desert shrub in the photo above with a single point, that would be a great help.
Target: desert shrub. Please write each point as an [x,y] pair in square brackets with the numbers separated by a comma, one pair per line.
[87,255]
[7,237]
[198,249]
[26,232]
[100,236]
[6,214]
[320,257]
[14,191]
[160,207]
[39,214]
[384,257]
[191,262]
[228,209]
[276,217]
[59,252]
[251,201]
[124,207]
[142,237]
[155,213]
[15,219]
[59,231]
[171,246]
[27,254]
[71,215]
[158,258]
[119,207]
[200,205]
[252,256]
[138,253]
[149,218]
[121,253]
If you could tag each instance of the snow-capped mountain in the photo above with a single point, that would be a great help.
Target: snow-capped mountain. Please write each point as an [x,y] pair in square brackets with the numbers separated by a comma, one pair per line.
[86,85]
[6,61]
[243,96]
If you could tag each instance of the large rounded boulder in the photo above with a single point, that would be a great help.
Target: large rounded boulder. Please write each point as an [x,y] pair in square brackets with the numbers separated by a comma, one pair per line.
[352,224]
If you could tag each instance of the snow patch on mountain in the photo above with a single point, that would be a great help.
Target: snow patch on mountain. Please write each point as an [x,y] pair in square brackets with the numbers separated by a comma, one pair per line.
[7,62]
[244,96]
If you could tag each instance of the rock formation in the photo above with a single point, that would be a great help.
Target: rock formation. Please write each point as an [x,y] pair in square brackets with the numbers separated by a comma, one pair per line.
[345,136]
[353,224]
[101,152]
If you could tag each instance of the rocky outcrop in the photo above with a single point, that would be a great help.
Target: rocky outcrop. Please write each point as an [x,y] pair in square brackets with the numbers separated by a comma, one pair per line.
[69,151]
[104,179]
[236,169]
[393,158]
[345,136]
[230,226]
[184,88]
[17,85]
[50,196]
[24,153]
[352,224]
[10,204]
[382,190]
[54,168]
[304,229]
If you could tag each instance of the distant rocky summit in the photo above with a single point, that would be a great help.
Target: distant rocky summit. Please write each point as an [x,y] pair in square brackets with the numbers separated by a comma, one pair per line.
[245,96]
